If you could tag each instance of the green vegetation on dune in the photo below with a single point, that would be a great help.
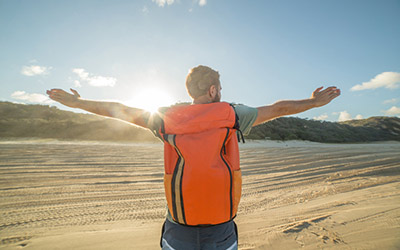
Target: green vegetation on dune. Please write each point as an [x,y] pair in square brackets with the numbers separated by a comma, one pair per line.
[289,128]
[40,121]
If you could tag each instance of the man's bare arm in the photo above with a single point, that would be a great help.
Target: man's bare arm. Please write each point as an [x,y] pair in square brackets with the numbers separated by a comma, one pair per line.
[281,108]
[109,109]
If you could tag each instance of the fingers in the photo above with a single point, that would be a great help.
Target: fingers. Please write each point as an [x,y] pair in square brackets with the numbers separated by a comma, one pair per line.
[54,91]
[51,93]
[64,97]
[330,92]
[60,92]
[75,93]
[323,97]
[58,95]
[329,89]
[318,89]
[334,93]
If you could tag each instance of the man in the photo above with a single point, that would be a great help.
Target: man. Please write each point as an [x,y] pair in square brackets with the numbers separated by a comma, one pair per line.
[202,174]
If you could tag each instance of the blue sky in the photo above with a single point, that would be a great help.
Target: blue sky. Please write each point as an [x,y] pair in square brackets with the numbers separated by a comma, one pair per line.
[264,51]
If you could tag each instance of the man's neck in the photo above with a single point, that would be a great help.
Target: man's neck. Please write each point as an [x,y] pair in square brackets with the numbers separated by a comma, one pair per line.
[201,100]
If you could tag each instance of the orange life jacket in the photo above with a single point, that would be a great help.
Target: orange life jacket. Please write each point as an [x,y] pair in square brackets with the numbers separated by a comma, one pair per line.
[202,178]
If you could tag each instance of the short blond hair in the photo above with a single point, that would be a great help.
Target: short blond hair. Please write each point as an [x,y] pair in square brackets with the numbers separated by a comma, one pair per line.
[200,79]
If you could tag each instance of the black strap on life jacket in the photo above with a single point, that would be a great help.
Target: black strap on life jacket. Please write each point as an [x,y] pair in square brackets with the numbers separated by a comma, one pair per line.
[237,126]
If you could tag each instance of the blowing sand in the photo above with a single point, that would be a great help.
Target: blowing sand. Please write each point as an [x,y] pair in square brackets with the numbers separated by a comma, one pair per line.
[296,195]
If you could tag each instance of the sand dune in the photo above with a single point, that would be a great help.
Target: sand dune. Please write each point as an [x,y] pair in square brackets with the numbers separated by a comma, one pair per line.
[296,195]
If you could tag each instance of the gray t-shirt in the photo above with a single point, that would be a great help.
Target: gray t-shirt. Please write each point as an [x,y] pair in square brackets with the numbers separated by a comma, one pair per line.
[247,116]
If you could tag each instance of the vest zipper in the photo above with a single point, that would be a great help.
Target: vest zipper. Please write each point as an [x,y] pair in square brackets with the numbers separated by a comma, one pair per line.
[176,186]
[229,170]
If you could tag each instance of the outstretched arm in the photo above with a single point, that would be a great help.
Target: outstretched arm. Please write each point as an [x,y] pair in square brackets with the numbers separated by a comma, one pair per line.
[318,98]
[110,109]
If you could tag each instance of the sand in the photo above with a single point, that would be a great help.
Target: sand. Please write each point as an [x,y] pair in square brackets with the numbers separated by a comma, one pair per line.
[296,195]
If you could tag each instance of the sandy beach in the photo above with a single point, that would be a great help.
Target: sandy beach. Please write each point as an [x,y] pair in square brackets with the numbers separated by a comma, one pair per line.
[296,195]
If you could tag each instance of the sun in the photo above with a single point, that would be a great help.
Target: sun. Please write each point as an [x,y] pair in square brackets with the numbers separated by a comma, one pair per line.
[151,99]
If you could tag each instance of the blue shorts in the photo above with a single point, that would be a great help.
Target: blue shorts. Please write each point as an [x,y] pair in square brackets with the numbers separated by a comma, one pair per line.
[222,236]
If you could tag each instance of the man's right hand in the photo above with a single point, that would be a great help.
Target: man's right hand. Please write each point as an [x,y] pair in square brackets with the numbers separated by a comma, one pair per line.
[65,98]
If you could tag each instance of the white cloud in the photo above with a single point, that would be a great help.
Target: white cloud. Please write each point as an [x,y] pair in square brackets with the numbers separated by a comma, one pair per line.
[81,73]
[391,101]
[359,117]
[35,98]
[393,111]
[96,81]
[321,117]
[345,116]
[202,2]
[35,70]
[389,80]
[161,3]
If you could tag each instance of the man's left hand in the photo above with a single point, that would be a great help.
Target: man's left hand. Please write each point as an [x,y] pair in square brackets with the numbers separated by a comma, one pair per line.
[323,97]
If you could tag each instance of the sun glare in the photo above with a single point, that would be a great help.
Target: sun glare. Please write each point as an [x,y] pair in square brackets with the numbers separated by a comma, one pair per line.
[151,99]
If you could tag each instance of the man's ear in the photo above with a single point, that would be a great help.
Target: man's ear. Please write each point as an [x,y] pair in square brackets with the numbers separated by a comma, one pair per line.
[212,91]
